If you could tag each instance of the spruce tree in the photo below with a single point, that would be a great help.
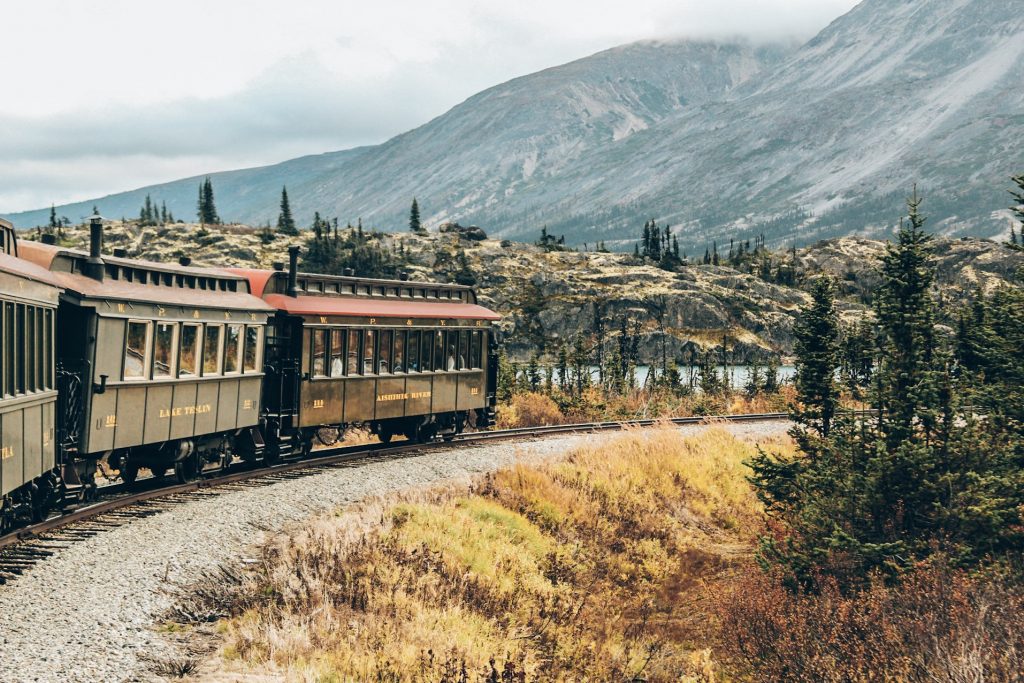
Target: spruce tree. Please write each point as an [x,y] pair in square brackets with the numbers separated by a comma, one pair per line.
[285,222]
[54,223]
[816,347]
[206,208]
[414,218]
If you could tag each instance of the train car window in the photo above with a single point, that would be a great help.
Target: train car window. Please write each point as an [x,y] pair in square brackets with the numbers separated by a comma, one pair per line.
[163,349]
[188,358]
[451,350]
[136,350]
[427,352]
[4,342]
[31,350]
[413,348]
[232,348]
[319,353]
[384,358]
[353,352]
[42,346]
[369,346]
[378,291]
[10,338]
[463,349]
[337,353]
[392,291]
[51,326]
[474,349]
[251,355]
[398,362]
[211,350]
[439,357]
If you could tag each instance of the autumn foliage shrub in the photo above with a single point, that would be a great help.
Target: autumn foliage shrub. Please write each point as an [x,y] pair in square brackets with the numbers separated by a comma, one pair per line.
[938,624]
[529,409]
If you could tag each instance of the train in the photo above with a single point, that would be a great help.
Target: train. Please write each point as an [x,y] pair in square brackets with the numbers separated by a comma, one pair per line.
[113,364]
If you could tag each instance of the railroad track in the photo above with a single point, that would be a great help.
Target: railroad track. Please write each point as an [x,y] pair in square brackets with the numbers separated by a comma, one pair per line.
[22,549]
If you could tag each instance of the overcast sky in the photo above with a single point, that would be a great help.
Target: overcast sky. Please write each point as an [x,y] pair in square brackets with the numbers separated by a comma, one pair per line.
[100,96]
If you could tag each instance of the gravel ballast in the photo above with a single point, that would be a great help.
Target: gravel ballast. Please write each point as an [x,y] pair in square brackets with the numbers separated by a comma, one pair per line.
[88,612]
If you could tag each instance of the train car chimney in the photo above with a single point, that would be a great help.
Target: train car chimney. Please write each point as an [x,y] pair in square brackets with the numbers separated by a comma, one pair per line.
[293,270]
[94,264]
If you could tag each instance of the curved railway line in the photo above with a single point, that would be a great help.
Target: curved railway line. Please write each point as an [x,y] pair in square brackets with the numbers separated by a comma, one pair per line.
[22,549]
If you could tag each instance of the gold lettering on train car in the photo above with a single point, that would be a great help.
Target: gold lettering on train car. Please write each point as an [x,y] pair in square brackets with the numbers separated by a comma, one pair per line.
[110,421]
[373,321]
[160,310]
[247,404]
[442,323]
[6,453]
[252,317]
[409,321]
[227,316]
[479,323]
[121,308]
[473,391]
[403,397]
[318,403]
[182,411]
[323,320]
[195,314]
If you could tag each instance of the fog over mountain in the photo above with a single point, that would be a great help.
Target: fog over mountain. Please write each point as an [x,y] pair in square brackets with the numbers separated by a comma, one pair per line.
[720,139]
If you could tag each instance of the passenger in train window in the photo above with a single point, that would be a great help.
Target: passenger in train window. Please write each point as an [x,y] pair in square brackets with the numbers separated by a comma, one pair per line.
[337,364]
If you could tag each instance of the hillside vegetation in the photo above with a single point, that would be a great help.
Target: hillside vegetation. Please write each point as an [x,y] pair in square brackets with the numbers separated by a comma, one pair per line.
[586,569]
[737,311]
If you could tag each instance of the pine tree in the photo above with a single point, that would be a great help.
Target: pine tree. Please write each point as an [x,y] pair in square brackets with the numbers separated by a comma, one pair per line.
[414,218]
[285,222]
[206,208]
[1018,196]
[54,222]
[817,351]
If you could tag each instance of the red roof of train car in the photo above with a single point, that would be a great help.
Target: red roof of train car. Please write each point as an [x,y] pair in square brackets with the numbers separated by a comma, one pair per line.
[378,308]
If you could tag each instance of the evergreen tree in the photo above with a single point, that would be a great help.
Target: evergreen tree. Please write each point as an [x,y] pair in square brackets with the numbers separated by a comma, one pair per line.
[924,474]
[54,222]
[285,222]
[817,351]
[206,208]
[414,218]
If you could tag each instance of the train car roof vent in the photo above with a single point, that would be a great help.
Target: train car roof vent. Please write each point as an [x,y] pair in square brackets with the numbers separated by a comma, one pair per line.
[185,260]
[403,276]
[348,272]
[94,264]
[277,265]
[48,238]
[120,252]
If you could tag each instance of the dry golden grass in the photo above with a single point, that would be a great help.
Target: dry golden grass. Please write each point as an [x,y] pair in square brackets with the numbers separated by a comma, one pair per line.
[586,569]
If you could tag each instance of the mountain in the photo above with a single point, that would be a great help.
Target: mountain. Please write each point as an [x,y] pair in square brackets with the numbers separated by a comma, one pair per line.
[721,140]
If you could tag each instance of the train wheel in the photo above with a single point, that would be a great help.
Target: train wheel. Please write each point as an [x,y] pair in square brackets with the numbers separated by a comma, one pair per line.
[129,473]
[187,470]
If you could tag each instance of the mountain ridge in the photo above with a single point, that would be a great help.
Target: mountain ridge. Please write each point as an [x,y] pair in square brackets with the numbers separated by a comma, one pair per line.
[720,139]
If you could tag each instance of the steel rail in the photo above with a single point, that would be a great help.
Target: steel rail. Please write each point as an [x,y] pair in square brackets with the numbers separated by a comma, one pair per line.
[336,455]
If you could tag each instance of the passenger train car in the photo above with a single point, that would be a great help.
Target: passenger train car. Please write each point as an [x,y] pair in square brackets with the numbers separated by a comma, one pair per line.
[29,478]
[116,364]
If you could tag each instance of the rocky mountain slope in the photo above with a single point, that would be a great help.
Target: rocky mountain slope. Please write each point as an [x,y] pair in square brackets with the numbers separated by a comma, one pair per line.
[721,139]
[548,298]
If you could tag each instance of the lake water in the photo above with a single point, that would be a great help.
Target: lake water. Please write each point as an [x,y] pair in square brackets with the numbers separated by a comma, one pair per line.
[737,374]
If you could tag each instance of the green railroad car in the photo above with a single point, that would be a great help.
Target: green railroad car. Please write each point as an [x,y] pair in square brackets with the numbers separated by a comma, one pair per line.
[410,358]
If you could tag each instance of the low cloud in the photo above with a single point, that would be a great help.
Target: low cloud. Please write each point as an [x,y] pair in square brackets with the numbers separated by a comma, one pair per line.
[371,75]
